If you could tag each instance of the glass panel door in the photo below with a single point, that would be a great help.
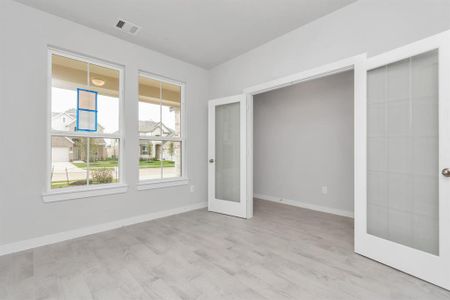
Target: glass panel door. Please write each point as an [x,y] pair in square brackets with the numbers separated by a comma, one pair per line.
[227,157]
[402,159]
[228,179]
[402,152]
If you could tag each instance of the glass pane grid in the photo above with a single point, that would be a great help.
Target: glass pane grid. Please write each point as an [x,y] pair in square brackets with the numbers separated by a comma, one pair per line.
[403,152]
[83,161]
[85,133]
[69,76]
[160,146]
[159,160]
[87,120]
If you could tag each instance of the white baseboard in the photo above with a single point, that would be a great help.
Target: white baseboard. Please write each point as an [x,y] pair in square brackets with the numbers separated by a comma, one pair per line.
[335,211]
[72,234]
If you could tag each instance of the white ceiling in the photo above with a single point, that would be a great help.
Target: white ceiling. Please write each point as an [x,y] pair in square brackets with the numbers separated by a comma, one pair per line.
[202,32]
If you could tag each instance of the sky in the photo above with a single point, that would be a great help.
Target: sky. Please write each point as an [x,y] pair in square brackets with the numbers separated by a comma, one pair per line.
[108,109]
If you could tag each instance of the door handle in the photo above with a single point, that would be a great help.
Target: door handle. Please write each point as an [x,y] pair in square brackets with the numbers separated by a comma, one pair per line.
[446,172]
[211,160]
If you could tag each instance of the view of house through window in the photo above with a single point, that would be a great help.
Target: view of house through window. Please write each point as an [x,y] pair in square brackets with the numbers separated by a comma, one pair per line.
[85,134]
[160,145]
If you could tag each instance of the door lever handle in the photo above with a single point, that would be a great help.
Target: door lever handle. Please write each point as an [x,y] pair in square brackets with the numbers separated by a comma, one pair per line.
[211,160]
[446,172]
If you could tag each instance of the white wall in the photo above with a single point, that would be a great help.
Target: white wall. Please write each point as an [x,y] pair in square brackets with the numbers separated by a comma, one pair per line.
[303,140]
[372,26]
[368,25]
[25,35]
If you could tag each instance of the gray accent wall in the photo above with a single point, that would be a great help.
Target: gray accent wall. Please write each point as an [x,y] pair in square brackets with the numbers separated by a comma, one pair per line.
[303,141]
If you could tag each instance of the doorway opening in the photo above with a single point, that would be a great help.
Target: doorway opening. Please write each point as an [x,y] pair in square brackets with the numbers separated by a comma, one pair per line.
[303,145]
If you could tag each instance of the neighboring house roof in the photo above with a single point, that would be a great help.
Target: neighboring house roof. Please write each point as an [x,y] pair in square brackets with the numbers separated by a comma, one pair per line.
[61,114]
[69,125]
[72,115]
[62,142]
[147,126]
[151,126]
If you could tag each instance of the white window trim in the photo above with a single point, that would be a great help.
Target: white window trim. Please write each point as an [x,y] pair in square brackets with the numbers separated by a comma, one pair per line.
[167,182]
[83,192]
[53,195]
[157,184]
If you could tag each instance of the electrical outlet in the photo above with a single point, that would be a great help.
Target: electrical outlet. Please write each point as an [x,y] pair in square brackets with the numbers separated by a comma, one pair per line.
[324,189]
[192,188]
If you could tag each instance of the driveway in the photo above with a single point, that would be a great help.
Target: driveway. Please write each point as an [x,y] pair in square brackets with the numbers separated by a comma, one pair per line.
[67,170]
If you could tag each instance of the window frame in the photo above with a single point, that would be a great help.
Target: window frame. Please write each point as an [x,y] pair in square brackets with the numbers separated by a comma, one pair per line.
[174,181]
[51,195]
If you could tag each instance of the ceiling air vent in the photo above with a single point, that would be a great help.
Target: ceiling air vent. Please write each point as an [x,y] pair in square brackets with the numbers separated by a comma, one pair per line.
[128,27]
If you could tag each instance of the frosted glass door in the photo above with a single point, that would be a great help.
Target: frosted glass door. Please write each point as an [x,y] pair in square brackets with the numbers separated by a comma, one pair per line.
[402,159]
[228,189]
[227,158]
[402,152]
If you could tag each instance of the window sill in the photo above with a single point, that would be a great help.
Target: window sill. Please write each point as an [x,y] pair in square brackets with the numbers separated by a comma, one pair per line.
[54,196]
[148,185]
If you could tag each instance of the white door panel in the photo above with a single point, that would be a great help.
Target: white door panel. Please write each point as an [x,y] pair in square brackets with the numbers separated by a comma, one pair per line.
[227,170]
[402,201]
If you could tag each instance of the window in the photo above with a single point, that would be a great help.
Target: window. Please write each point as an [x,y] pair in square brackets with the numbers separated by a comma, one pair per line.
[161,138]
[85,135]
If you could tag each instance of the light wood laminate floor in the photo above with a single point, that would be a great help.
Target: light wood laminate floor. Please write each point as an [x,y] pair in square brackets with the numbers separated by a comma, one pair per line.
[284,252]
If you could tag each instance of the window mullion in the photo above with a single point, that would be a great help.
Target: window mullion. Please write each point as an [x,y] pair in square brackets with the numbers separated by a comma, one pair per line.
[88,149]
[161,161]
[160,110]
[161,131]
[88,75]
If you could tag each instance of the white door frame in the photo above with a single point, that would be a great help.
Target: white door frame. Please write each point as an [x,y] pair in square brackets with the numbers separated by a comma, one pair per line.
[243,208]
[355,63]
[435,269]
[351,63]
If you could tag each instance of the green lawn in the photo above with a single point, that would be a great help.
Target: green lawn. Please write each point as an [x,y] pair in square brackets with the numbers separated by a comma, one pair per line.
[156,163]
[113,163]
[63,183]
[98,164]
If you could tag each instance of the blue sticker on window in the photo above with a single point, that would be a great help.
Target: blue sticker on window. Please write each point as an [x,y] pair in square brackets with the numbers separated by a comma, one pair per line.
[86,110]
